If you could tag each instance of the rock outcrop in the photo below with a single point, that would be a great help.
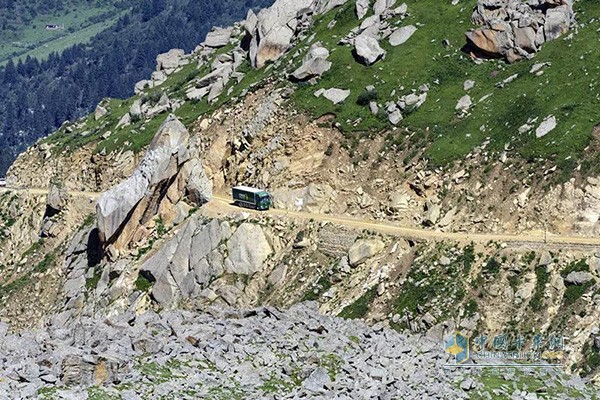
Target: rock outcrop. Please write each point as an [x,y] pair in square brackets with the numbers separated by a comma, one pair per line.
[515,30]
[272,31]
[155,189]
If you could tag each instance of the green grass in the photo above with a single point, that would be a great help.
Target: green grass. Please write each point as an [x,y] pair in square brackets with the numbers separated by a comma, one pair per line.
[314,293]
[542,277]
[571,93]
[33,39]
[143,284]
[530,380]
[575,266]
[70,39]
[361,306]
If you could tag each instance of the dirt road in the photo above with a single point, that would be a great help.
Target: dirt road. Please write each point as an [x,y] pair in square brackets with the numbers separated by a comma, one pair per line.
[221,205]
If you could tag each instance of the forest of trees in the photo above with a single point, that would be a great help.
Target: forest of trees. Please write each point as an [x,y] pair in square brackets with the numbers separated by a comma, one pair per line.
[37,97]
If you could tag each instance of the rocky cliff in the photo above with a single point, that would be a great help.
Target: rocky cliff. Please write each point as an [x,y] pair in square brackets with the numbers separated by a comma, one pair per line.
[321,103]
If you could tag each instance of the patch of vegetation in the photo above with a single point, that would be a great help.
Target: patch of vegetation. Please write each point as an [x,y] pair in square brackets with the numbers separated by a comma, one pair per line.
[275,385]
[542,277]
[314,293]
[43,265]
[143,284]
[98,393]
[575,266]
[574,292]
[361,306]
[492,267]
[471,307]
[92,283]
[443,286]
[591,359]
[494,384]
[333,364]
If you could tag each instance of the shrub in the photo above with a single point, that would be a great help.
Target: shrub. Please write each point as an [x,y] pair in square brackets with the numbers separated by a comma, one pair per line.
[366,97]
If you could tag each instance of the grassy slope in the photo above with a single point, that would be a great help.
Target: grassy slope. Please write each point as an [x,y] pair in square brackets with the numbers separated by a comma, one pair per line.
[567,89]
[138,135]
[33,39]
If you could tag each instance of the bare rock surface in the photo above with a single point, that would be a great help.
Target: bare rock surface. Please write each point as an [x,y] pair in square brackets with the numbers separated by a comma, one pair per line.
[249,353]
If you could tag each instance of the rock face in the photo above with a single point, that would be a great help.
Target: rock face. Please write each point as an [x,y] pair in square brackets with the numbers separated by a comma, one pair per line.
[516,30]
[314,64]
[199,253]
[159,182]
[248,250]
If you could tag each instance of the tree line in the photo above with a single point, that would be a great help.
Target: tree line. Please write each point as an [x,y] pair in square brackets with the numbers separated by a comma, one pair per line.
[38,96]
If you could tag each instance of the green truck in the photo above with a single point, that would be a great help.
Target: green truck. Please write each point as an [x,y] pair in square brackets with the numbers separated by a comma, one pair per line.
[244,196]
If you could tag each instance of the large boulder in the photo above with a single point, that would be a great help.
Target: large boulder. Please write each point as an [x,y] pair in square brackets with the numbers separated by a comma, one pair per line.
[579,278]
[401,35]
[137,200]
[57,199]
[314,63]
[218,37]
[248,250]
[364,249]
[368,50]
[273,29]
[516,29]
[362,8]
[335,95]
[170,61]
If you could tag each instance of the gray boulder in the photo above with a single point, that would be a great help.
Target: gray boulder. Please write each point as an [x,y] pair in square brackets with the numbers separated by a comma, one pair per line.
[336,96]
[100,112]
[218,37]
[314,63]
[579,278]
[273,29]
[382,6]
[368,50]
[170,61]
[401,35]
[547,126]
[464,103]
[364,249]
[362,7]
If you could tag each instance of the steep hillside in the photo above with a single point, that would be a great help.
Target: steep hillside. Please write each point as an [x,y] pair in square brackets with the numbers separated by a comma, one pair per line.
[41,95]
[423,180]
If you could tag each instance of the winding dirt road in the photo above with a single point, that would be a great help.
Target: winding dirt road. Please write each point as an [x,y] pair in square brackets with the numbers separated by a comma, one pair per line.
[221,205]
